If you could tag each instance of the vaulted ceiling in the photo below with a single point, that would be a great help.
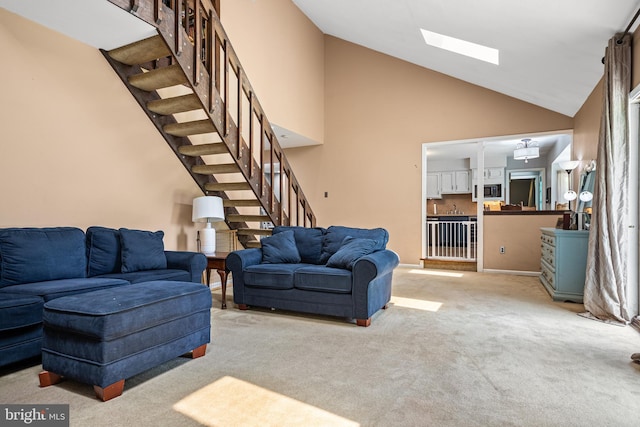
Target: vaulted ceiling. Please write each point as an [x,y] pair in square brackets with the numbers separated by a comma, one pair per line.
[550,50]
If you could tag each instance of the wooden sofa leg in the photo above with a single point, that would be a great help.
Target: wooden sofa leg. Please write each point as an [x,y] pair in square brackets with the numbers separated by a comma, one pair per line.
[199,352]
[110,391]
[363,322]
[49,378]
[384,307]
[243,307]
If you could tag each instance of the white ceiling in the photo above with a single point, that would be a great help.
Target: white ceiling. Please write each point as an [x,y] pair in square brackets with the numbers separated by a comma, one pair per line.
[97,23]
[550,50]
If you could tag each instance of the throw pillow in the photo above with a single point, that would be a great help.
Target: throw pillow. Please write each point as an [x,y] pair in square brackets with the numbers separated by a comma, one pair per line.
[103,251]
[280,249]
[30,255]
[142,250]
[350,251]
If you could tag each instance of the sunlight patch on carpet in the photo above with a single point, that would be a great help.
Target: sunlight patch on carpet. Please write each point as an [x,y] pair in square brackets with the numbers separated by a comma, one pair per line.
[416,303]
[233,402]
[436,273]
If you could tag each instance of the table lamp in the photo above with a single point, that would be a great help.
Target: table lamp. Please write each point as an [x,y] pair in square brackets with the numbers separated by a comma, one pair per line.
[208,209]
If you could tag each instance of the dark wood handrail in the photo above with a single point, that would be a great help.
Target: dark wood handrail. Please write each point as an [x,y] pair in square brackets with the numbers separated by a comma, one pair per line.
[207,56]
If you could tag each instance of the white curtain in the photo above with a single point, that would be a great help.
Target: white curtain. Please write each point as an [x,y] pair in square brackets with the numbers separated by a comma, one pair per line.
[605,292]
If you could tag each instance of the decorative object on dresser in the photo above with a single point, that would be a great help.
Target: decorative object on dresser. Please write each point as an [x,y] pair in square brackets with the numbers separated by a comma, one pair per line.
[207,209]
[563,263]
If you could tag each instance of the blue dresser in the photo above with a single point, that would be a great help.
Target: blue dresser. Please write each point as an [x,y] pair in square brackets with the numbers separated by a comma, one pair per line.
[563,263]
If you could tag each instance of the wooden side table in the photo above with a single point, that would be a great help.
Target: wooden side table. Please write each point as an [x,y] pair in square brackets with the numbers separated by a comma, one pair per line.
[218,261]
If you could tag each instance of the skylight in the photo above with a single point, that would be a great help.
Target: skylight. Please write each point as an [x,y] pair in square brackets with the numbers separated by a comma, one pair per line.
[462,47]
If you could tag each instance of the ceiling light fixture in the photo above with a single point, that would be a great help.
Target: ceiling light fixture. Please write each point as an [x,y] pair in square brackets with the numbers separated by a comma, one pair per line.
[462,47]
[526,150]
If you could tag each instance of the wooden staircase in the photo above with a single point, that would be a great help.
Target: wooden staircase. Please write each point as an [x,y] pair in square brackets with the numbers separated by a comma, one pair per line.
[191,84]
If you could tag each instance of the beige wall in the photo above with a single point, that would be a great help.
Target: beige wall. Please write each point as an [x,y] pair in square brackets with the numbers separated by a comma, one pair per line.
[282,52]
[379,111]
[76,148]
[520,236]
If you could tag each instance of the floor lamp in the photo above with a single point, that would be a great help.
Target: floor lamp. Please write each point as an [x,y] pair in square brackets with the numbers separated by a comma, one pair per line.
[569,166]
[207,209]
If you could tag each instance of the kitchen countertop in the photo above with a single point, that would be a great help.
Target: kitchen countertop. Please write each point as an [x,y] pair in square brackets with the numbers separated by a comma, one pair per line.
[546,212]
[459,214]
[524,212]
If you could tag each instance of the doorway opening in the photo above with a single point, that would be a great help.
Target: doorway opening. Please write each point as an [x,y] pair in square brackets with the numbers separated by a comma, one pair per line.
[527,188]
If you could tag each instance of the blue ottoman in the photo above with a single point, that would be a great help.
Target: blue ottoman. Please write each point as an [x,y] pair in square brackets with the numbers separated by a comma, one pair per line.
[106,336]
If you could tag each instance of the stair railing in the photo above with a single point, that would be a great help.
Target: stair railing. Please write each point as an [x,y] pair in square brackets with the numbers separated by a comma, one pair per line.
[202,48]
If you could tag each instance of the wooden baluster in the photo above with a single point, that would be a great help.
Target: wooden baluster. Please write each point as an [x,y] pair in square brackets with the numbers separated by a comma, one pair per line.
[197,43]
[251,130]
[239,92]
[177,27]
[261,166]
[157,12]
[214,65]
[226,87]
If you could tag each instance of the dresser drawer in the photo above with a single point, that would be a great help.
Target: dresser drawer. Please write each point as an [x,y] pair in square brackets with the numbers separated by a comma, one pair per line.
[548,253]
[548,274]
[550,240]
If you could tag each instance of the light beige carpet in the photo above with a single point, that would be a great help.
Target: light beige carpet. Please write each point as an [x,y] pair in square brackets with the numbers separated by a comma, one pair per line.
[459,349]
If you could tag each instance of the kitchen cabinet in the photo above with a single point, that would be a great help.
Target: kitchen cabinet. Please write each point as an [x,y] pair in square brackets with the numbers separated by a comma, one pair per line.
[491,175]
[433,185]
[563,263]
[455,182]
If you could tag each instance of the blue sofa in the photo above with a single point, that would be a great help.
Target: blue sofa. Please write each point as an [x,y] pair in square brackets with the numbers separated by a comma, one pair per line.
[41,264]
[338,271]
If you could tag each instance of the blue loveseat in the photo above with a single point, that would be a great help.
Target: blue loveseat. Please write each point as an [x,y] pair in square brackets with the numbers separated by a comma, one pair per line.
[337,271]
[41,264]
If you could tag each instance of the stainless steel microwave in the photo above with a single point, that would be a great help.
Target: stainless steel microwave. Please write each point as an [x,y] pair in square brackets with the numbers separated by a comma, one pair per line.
[491,191]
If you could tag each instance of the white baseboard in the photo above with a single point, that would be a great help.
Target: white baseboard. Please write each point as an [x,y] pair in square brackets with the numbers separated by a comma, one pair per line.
[514,272]
[410,265]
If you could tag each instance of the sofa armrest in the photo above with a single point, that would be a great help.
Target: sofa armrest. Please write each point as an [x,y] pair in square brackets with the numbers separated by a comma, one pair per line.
[193,262]
[370,266]
[372,282]
[237,261]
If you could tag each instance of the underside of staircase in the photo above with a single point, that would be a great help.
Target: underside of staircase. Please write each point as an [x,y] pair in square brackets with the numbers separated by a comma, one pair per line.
[190,83]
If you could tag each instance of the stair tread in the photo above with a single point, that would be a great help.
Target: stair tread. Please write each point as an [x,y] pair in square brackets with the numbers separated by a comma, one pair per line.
[178,104]
[254,231]
[195,127]
[252,244]
[171,75]
[243,218]
[141,51]
[215,169]
[203,149]
[241,203]
[227,186]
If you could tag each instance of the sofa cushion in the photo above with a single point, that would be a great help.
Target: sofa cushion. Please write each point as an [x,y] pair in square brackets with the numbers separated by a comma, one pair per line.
[142,250]
[271,276]
[323,279]
[41,254]
[103,251]
[335,235]
[19,310]
[308,241]
[350,251]
[58,288]
[280,249]
[150,275]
